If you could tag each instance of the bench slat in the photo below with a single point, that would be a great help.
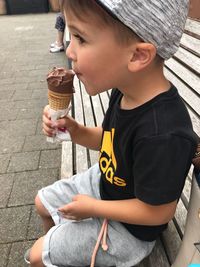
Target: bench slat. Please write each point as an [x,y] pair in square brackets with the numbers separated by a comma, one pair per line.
[190,60]
[180,215]
[66,158]
[172,241]
[193,26]
[192,43]
[157,258]
[66,166]
[105,101]
[97,109]
[188,77]
[195,121]
[90,121]
[81,152]
[187,188]
[190,98]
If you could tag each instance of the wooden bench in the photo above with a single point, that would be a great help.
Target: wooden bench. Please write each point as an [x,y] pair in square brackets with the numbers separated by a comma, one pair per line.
[184,71]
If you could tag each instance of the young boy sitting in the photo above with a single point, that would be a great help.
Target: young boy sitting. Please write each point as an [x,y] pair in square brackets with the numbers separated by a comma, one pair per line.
[146,140]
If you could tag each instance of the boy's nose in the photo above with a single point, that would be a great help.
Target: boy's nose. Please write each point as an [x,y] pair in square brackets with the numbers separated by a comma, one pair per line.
[70,53]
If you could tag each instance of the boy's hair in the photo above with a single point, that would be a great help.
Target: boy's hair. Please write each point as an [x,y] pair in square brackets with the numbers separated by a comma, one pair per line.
[82,8]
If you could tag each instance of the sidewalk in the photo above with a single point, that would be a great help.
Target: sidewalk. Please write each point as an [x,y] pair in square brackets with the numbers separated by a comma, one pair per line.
[27,161]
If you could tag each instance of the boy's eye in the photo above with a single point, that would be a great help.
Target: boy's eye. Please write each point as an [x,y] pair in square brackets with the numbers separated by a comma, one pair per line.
[79,38]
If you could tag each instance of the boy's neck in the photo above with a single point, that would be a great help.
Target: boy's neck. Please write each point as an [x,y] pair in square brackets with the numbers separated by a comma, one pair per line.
[144,86]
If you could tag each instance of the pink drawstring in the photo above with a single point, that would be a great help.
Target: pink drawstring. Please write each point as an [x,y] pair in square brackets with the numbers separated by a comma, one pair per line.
[101,238]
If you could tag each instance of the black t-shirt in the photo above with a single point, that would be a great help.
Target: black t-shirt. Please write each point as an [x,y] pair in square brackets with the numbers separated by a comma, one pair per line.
[146,153]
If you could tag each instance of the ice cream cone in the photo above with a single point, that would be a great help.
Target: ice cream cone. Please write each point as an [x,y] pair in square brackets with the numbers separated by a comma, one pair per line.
[60,91]
[60,88]
[58,101]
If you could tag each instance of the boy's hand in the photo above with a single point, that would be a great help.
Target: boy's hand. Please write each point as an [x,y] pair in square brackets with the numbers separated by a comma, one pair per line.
[81,207]
[50,127]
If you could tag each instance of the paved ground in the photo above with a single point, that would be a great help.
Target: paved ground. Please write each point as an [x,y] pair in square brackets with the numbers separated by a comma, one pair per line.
[27,161]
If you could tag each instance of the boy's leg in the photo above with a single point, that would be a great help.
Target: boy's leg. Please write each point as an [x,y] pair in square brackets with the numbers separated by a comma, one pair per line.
[36,253]
[71,243]
[44,214]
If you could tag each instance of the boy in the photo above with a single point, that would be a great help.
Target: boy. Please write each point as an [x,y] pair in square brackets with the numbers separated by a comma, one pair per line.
[146,141]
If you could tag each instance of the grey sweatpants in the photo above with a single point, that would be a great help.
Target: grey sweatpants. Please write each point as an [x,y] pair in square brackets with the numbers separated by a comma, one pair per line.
[71,243]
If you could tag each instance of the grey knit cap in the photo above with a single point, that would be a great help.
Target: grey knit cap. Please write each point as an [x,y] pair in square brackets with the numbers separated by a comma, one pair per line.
[160,22]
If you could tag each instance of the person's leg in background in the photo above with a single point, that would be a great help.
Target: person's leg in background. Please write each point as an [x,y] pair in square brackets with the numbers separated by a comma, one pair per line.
[58,46]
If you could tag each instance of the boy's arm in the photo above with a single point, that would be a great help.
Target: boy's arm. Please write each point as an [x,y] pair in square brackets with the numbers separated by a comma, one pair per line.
[132,211]
[89,137]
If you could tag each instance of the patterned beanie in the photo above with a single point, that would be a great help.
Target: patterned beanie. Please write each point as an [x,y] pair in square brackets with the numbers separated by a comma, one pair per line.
[160,22]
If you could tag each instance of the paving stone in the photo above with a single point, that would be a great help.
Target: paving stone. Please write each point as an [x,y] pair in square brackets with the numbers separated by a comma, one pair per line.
[21,80]
[16,257]
[25,113]
[36,142]
[10,144]
[7,113]
[7,181]
[4,252]
[38,86]
[39,94]
[6,95]
[24,161]
[13,224]
[6,81]
[6,74]
[4,161]
[42,66]
[39,127]
[13,86]
[31,103]
[22,72]
[40,73]
[50,159]
[40,77]
[22,127]
[35,228]
[3,129]
[7,105]
[22,94]
[27,184]
[23,67]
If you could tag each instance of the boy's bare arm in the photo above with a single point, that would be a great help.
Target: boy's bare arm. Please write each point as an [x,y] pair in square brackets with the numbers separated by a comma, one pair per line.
[131,211]
[89,137]
[134,211]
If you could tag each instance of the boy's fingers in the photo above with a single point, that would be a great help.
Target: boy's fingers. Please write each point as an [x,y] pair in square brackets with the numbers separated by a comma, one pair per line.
[47,129]
[61,123]
[46,120]
[46,111]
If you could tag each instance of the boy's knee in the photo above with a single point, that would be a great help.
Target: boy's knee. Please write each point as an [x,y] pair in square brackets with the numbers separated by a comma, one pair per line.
[36,254]
[41,210]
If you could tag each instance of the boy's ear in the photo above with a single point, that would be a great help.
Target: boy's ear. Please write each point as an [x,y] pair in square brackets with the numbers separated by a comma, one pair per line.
[142,56]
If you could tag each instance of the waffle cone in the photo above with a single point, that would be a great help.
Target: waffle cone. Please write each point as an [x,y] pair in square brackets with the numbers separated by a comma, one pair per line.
[59,101]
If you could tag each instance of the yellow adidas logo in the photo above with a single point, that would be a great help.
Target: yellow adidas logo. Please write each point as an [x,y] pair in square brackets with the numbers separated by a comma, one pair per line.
[107,160]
